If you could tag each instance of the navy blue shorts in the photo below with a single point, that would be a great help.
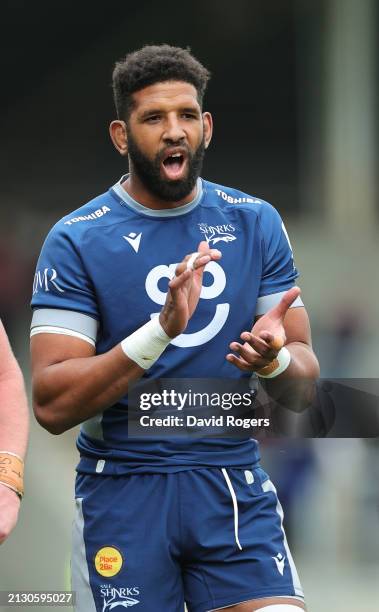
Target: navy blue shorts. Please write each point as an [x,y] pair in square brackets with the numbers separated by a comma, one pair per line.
[208,537]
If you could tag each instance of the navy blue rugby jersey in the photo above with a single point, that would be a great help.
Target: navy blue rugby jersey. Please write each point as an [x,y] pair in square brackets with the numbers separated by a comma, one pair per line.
[103,272]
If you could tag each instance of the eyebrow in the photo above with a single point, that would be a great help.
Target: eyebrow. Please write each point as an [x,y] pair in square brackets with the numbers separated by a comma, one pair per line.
[159,111]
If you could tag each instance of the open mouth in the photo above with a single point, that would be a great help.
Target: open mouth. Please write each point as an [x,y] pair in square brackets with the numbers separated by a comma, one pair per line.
[174,166]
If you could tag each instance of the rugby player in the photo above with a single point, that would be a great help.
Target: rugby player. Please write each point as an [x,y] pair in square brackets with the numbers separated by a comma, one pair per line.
[119,294]
[14,427]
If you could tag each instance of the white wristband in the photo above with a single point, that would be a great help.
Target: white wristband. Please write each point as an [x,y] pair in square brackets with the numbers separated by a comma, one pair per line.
[284,359]
[146,344]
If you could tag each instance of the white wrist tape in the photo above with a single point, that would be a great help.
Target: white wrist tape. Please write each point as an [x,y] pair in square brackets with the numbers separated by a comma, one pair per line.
[191,261]
[146,344]
[283,360]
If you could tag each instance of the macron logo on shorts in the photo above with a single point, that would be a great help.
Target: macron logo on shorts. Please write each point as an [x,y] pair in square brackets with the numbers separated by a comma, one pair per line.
[279,560]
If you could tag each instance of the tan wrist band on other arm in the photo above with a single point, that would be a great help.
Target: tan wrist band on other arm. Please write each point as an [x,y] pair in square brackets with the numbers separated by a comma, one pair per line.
[12,472]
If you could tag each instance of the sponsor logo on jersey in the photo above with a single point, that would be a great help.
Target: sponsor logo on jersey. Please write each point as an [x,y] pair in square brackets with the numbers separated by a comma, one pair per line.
[217,233]
[108,561]
[133,240]
[208,292]
[118,597]
[100,212]
[279,560]
[232,200]
[45,279]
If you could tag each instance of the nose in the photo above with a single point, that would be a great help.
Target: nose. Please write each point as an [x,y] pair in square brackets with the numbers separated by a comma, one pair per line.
[174,131]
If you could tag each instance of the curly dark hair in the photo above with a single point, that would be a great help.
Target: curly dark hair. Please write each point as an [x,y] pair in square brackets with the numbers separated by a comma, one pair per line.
[155,64]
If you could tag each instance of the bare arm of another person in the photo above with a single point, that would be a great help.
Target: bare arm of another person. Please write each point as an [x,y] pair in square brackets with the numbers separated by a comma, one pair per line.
[14,428]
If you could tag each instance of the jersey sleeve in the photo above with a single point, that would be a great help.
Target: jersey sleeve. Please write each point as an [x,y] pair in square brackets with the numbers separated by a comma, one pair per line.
[278,271]
[61,281]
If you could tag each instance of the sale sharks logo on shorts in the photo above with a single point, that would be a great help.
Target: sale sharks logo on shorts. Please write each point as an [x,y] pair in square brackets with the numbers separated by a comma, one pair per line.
[217,233]
[117,598]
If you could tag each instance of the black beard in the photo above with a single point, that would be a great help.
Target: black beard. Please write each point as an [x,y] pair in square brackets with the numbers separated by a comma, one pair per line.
[149,172]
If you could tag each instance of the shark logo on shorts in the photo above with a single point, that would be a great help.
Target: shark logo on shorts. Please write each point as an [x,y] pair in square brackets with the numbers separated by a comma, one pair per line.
[279,560]
[119,603]
[118,598]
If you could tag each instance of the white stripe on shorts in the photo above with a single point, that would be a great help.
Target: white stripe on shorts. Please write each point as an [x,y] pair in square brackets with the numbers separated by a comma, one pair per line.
[268,486]
[79,569]
[235,506]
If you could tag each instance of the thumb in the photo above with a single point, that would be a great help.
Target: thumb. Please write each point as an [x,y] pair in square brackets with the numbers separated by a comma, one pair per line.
[279,311]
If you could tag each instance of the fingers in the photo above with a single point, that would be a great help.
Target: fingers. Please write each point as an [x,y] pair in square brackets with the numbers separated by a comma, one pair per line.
[180,279]
[286,302]
[256,352]
[199,259]
[191,261]
[261,346]
[239,362]
[275,342]
[203,247]
[251,355]
[203,251]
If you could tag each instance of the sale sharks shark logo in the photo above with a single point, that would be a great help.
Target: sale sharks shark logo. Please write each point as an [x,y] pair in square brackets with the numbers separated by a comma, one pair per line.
[217,233]
[119,598]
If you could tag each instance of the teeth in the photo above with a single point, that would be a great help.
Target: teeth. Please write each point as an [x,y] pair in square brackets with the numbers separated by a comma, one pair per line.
[176,155]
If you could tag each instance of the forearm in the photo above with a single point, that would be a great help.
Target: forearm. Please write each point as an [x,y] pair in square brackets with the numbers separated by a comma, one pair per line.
[14,426]
[74,390]
[303,364]
[293,388]
[14,416]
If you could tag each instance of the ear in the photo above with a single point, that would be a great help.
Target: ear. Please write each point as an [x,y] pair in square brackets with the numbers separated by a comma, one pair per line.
[208,128]
[117,131]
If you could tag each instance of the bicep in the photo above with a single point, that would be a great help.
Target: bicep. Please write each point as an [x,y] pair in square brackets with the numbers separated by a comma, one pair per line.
[48,349]
[297,326]
[58,335]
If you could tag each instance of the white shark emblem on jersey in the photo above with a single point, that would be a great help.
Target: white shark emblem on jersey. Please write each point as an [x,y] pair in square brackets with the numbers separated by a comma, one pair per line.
[217,233]
[214,238]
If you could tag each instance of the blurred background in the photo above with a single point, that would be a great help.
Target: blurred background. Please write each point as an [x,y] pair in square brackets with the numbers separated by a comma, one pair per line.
[294,98]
